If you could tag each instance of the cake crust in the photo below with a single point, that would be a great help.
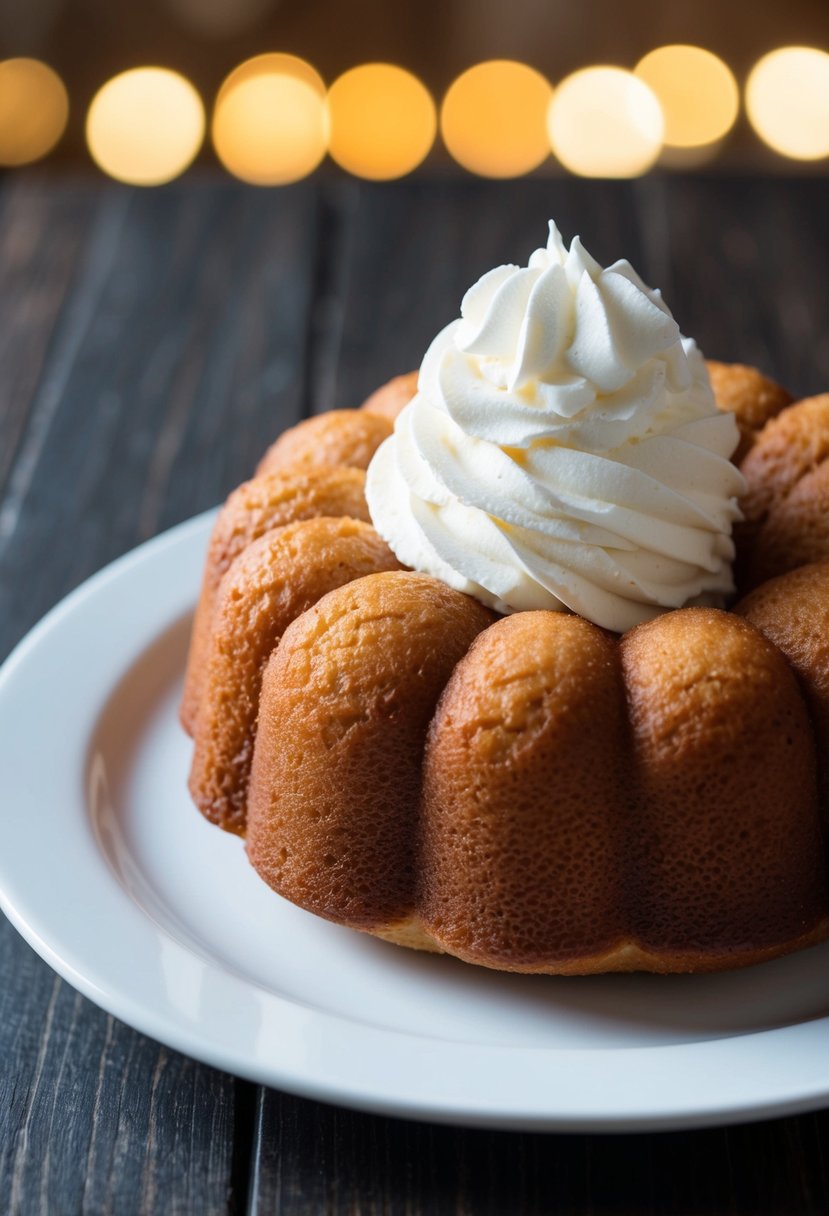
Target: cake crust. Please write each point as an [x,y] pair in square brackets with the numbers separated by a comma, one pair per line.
[721,744]
[346,702]
[533,720]
[340,437]
[793,613]
[275,580]
[796,529]
[623,957]
[255,508]
[785,519]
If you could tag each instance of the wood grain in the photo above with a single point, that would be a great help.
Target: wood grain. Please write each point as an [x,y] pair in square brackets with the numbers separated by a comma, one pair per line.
[413,251]
[163,320]
[97,1118]
[747,262]
[151,344]
[41,237]
[313,1158]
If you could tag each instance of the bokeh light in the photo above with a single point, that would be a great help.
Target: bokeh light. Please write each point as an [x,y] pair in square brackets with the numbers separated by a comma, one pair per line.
[605,122]
[383,121]
[145,126]
[34,108]
[787,99]
[494,119]
[697,91]
[270,123]
[273,63]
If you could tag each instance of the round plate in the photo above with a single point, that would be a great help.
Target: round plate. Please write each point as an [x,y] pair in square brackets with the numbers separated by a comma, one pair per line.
[116,880]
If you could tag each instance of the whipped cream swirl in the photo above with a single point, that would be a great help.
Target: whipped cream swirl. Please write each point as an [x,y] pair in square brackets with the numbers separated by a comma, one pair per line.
[563,450]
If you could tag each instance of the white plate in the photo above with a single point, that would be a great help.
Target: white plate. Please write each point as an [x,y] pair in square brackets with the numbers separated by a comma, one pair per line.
[115,879]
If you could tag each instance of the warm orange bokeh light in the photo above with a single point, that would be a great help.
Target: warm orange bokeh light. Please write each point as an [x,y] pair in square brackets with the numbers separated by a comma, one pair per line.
[270,124]
[494,119]
[605,122]
[787,99]
[145,126]
[33,110]
[383,121]
[697,91]
[273,63]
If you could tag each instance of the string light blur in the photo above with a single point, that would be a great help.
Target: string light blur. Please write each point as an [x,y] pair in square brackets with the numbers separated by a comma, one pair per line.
[698,93]
[34,108]
[270,122]
[787,99]
[605,122]
[383,121]
[494,119]
[145,126]
[273,120]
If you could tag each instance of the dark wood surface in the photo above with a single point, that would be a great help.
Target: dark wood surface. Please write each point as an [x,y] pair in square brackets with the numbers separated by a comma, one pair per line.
[151,344]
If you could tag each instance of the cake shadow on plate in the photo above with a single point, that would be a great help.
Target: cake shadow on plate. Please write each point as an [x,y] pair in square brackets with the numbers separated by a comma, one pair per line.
[625,1008]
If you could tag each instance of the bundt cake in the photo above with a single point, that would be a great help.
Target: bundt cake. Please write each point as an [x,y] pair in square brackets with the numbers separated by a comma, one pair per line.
[589,765]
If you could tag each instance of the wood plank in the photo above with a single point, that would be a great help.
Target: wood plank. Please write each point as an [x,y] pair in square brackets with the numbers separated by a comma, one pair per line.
[745,269]
[95,1117]
[412,249]
[314,1158]
[179,355]
[742,262]
[41,236]
[161,339]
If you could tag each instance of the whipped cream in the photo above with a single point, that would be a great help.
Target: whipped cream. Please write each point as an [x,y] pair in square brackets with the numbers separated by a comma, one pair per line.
[563,450]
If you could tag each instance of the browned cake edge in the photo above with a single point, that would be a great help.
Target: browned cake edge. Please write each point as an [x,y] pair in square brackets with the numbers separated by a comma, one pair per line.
[625,957]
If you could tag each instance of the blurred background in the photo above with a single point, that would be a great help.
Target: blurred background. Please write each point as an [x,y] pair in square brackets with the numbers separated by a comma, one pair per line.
[270,90]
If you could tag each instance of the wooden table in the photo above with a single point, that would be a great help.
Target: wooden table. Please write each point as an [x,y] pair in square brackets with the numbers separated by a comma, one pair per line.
[151,344]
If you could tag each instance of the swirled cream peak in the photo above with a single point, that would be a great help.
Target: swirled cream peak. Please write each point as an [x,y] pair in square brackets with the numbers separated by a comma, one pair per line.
[563,449]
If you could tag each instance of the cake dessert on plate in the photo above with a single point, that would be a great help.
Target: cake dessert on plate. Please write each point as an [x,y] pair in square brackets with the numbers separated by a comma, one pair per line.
[470,670]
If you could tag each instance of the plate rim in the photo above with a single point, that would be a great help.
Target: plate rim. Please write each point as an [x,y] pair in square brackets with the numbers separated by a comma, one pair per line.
[453,1098]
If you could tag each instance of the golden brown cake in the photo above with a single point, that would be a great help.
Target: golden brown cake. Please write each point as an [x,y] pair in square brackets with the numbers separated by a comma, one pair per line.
[622,869]
[529,793]
[793,612]
[510,719]
[274,580]
[347,699]
[257,507]
[568,813]
[786,504]
[340,437]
